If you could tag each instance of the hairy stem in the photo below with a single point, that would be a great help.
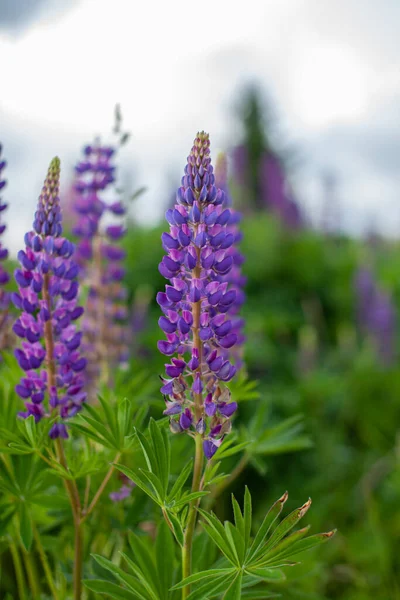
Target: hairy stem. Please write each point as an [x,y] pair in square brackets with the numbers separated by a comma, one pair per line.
[191,522]
[45,564]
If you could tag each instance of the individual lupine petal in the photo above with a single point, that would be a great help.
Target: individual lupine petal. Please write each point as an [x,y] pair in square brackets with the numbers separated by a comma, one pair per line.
[210,447]
[186,418]
[227,409]
[173,408]
[209,406]
[197,386]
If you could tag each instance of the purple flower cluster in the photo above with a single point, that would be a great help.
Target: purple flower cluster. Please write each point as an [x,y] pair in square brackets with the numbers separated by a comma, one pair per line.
[47,294]
[196,304]
[275,193]
[4,277]
[99,256]
[376,315]
[234,277]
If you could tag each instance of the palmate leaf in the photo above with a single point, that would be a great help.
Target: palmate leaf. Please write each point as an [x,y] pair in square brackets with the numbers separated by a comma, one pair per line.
[111,590]
[251,561]
[107,425]
[154,480]
[151,569]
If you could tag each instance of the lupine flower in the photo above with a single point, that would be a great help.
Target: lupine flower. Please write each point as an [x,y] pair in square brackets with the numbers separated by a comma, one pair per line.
[48,288]
[196,303]
[99,256]
[124,491]
[376,315]
[275,194]
[4,277]
[235,277]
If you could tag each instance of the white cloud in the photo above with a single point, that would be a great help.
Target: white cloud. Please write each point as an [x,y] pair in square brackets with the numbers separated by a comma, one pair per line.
[174,66]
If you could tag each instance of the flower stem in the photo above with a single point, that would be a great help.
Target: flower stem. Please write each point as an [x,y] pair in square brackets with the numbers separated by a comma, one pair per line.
[45,564]
[70,485]
[19,574]
[73,494]
[101,489]
[191,522]
[31,572]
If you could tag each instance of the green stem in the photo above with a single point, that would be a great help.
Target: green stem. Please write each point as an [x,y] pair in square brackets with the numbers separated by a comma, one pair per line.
[19,573]
[191,522]
[73,494]
[31,573]
[101,489]
[45,564]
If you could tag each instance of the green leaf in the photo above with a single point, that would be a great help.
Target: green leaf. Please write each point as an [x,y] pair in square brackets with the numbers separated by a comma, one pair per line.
[155,483]
[149,587]
[164,558]
[236,542]
[162,451]
[148,452]
[247,517]
[239,520]
[177,527]
[140,482]
[187,498]
[144,560]
[111,590]
[304,544]
[201,576]
[133,584]
[181,480]
[235,589]
[259,594]
[210,588]
[267,574]
[266,525]
[25,526]
[287,524]
[217,533]
[286,544]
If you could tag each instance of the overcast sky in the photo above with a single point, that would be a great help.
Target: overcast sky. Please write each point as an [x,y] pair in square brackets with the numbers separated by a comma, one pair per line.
[331,69]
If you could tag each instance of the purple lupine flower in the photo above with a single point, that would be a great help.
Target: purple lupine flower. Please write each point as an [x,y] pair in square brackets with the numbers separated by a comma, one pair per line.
[53,382]
[235,277]
[4,277]
[99,255]
[124,491]
[376,315]
[275,194]
[196,304]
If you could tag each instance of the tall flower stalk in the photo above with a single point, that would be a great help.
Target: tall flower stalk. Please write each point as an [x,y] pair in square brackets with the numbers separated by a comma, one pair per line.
[100,256]
[47,298]
[196,323]
[47,295]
